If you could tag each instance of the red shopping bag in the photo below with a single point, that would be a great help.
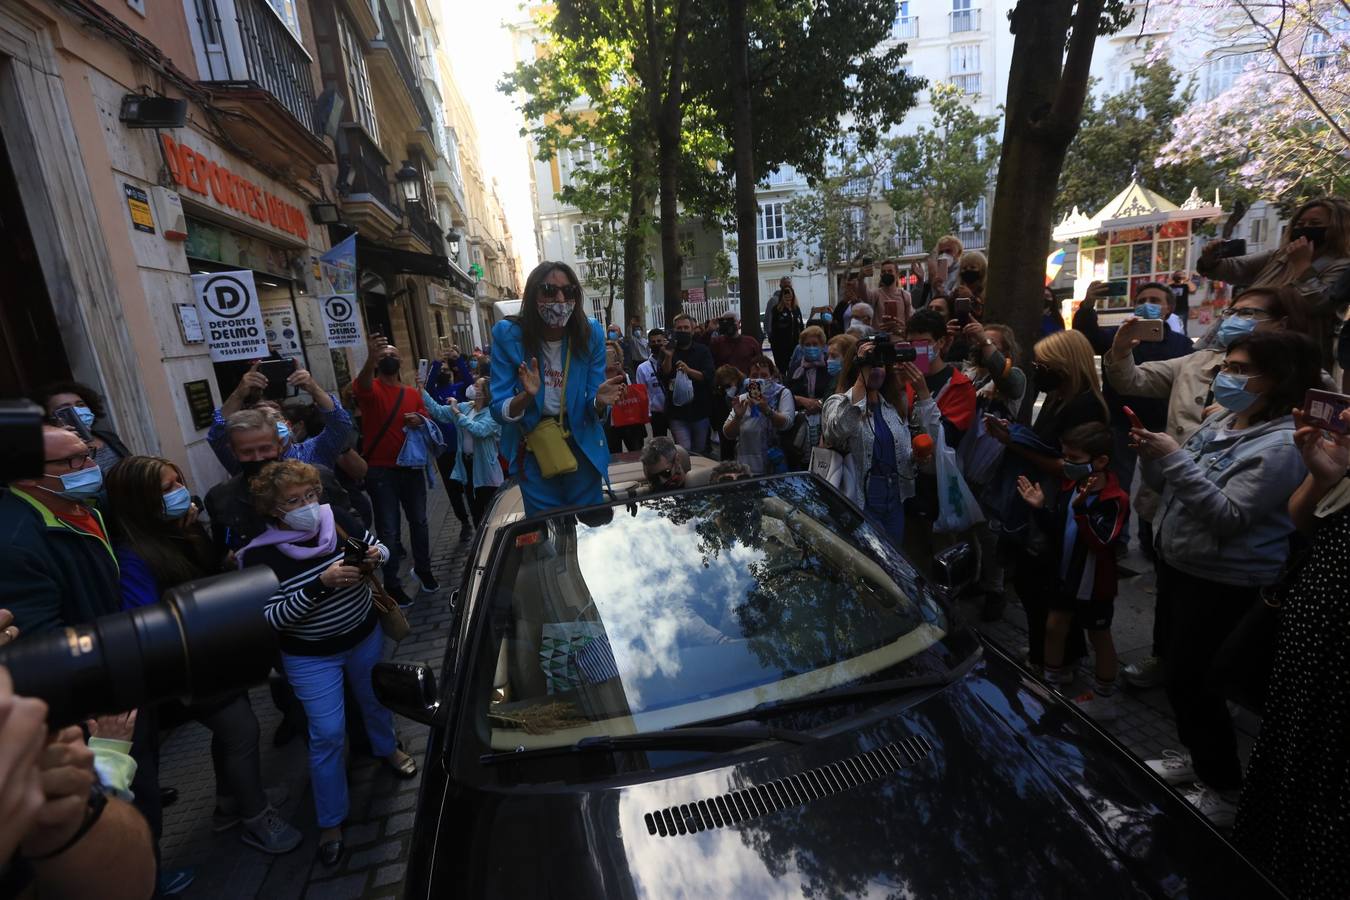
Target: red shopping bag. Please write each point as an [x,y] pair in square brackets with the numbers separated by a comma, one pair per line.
[631,408]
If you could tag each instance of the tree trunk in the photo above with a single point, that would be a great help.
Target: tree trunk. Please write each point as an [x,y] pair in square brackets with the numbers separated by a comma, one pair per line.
[635,232]
[668,165]
[743,163]
[1045,101]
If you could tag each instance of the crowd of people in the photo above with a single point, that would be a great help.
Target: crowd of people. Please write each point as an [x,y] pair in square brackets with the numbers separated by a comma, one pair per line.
[930,417]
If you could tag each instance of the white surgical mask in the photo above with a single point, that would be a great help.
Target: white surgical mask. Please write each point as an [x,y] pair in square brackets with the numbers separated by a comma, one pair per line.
[304,520]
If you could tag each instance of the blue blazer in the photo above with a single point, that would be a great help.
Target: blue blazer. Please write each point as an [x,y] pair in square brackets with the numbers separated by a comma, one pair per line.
[584,378]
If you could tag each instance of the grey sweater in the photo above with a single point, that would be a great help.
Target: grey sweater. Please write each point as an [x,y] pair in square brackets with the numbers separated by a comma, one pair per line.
[1224,515]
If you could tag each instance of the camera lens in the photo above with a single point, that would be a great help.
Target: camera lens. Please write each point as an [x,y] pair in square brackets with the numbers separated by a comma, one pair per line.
[207,638]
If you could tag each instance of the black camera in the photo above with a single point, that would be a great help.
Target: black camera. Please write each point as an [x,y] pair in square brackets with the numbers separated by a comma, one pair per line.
[883,350]
[20,440]
[207,639]
[905,352]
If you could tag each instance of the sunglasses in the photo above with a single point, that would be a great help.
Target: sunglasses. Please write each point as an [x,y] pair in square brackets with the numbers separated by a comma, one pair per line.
[569,291]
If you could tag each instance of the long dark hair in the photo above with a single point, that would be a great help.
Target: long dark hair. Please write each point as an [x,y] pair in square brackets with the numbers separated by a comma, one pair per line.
[136,512]
[851,366]
[1289,360]
[578,328]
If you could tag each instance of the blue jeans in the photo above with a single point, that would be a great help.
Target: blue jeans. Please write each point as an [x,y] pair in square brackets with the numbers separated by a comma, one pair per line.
[881,501]
[389,489]
[580,488]
[692,436]
[317,681]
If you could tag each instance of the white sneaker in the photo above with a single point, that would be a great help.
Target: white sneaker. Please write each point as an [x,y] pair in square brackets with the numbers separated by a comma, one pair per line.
[1147,673]
[1173,767]
[1104,709]
[1220,807]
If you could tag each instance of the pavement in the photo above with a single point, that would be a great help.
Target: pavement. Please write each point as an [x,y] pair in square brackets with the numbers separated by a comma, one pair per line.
[379,829]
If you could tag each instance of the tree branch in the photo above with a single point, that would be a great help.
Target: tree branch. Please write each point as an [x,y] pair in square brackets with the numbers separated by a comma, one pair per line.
[1062,120]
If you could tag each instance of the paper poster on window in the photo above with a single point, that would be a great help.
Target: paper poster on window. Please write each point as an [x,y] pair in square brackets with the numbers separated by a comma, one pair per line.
[337,296]
[227,305]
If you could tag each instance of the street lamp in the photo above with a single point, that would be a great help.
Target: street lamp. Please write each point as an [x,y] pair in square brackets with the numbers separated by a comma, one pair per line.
[452,237]
[409,183]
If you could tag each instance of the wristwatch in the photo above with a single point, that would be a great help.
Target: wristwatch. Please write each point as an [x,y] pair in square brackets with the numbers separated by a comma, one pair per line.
[98,801]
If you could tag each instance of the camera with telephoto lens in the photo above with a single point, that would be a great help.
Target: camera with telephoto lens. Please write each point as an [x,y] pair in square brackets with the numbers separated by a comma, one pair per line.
[208,638]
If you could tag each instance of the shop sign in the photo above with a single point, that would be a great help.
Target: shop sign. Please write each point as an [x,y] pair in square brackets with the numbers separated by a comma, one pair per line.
[138,202]
[204,176]
[227,305]
[337,295]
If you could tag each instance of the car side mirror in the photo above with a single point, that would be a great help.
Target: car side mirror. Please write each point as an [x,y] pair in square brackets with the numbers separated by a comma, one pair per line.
[956,567]
[408,689]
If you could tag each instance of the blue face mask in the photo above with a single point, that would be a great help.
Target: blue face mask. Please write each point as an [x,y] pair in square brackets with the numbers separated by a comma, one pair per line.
[812,354]
[827,318]
[85,415]
[82,485]
[1148,310]
[834,366]
[177,502]
[1233,327]
[284,432]
[1230,391]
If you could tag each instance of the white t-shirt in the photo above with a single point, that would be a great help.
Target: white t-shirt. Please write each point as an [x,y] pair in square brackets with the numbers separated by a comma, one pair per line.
[550,381]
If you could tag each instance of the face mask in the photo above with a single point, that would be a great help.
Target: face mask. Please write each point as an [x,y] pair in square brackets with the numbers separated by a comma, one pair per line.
[726,328]
[1148,311]
[1230,392]
[254,467]
[305,519]
[81,485]
[614,335]
[1316,234]
[177,502]
[827,318]
[876,377]
[555,315]
[1077,471]
[969,276]
[1233,327]
[283,432]
[85,415]
[731,392]
[887,279]
[834,366]
[1047,380]
[388,365]
[683,340]
[946,258]
[470,392]
[812,354]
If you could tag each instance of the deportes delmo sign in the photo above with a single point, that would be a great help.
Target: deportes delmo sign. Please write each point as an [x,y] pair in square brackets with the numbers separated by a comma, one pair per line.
[232,320]
[337,295]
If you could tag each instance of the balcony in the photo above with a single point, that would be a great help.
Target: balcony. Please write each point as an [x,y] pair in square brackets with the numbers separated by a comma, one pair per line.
[260,76]
[449,187]
[964,20]
[968,82]
[425,228]
[907,27]
[393,73]
[363,184]
[771,251]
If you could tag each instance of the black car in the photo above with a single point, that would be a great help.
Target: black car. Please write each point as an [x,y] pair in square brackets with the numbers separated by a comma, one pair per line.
[746,691]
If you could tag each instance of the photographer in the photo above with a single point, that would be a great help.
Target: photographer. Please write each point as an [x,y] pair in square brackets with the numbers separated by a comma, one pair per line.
[687,378]
[323,448]
[757,416]
[890,300]
[88,408]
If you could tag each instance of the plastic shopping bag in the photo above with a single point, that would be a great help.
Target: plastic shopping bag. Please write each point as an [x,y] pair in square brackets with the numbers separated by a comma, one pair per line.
[957,507]
[979,453]
[682,390]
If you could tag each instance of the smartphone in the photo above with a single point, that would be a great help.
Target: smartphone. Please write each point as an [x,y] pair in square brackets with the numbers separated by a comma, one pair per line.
[67,417]
[422,367]
[963,311]
[923,355]
[353,552]
[1324,408]
[1135,421]
[1234,247]
[276,372]
[890,309]
[1148,329]
[1117,288]
[755,390]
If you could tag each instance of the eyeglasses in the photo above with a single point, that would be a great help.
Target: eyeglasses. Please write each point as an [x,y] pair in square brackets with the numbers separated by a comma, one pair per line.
[310,496]
[1238,368]
[72,463]
[569,291]
[1247,312]
[664,474]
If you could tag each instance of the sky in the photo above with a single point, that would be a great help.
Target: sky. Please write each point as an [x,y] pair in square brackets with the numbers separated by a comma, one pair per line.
[480,53]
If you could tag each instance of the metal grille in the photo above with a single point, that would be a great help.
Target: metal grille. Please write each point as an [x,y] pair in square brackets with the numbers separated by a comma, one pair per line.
[795,790]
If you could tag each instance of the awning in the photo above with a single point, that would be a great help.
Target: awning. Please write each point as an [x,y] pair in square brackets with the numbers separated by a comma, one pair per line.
[407,262]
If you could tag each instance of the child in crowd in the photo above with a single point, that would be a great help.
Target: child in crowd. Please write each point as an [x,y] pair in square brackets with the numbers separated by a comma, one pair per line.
[1081,522]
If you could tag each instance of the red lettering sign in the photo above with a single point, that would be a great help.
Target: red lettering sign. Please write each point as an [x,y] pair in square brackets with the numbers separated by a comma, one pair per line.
[200,175]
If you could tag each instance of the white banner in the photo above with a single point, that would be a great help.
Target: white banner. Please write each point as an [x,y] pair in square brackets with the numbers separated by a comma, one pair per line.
[231,318]
[337,296]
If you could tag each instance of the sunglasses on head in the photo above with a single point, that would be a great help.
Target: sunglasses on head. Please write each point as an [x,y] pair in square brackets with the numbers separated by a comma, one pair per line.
[569,291]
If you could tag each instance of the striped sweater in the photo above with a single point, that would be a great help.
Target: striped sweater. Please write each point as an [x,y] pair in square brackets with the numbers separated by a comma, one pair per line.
[311,619]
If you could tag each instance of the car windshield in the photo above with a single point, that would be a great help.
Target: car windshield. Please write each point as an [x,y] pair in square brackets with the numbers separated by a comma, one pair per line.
[680,608]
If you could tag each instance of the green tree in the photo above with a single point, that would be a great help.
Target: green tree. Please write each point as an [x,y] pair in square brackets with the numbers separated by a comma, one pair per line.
[837,220]
[938,169]
[1053,41]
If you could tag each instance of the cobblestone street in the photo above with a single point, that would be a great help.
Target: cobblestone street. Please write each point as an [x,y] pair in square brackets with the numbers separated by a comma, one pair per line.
[378,833]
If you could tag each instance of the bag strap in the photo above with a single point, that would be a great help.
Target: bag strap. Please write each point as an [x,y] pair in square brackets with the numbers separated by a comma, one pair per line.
[379,435]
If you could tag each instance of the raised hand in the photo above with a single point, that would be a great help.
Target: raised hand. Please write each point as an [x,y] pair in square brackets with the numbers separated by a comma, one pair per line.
[610,391]
[302,380]
[1299,254]
[253,380]
[1124,341]
[1030,492]
[1327,456]
[529,377]
[1154,444]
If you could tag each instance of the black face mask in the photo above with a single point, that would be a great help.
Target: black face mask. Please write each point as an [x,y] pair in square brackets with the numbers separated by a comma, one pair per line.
[887,279]
[254,467]
[683,340]
[726,328]
[387,366]
[1046,380]
[970,276]
[1316,234]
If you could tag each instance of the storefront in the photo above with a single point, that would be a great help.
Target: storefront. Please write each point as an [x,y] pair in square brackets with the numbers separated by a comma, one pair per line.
[1136,238]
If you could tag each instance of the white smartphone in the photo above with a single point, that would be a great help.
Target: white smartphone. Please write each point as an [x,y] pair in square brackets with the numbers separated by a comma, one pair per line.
[423,366]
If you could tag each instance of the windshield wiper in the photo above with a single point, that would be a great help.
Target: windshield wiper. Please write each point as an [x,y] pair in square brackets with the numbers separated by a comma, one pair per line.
[697,737]
[847,694]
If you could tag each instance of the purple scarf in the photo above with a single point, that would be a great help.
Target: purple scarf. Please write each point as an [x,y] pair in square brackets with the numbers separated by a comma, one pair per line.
[288,541]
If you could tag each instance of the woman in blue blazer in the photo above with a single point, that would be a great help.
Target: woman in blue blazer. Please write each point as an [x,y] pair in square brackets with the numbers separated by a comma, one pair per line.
[550,362]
